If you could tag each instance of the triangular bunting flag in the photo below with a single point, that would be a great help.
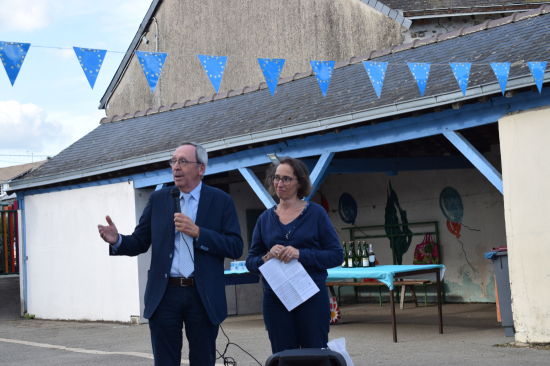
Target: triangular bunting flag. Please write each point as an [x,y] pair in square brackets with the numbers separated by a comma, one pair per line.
[323,72]
[271,68]
[12,56]
[90,60]
[501,70]
[152,64]
[538,69]
[461,72]
[420,73]
[214,67]
[376,72]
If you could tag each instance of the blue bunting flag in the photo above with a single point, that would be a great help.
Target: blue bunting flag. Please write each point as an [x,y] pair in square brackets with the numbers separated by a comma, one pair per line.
[271,68]
[323,72]
[501,70]
[376,72]
[90,60]
[538,69]
[12,56]
[214,67]
[461,72]
[420,73]
[152,64]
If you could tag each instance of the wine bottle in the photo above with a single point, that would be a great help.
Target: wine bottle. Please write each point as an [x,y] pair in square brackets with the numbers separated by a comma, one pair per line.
[372,257]
[358,256]
[351,255]
[365,255]
[345,263]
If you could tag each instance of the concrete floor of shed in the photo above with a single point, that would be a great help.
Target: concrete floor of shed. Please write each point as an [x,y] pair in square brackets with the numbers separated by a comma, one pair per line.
[471,332]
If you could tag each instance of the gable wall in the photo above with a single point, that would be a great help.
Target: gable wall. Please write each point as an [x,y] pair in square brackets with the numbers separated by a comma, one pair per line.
[243,30]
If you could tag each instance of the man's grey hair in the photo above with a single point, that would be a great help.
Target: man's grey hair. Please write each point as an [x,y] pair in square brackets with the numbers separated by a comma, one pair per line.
[201,156]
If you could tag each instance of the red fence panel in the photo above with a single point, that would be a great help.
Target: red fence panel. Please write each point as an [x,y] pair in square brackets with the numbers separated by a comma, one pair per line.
[9,240]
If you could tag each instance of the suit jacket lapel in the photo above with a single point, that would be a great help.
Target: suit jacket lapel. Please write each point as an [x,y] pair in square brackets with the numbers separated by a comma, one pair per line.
[204,205]
[170,210]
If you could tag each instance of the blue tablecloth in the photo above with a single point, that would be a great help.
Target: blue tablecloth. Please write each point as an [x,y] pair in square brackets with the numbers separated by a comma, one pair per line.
[384,274]
[231,271]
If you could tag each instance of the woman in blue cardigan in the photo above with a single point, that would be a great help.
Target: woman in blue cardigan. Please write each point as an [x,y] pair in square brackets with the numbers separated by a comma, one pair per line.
[295,230]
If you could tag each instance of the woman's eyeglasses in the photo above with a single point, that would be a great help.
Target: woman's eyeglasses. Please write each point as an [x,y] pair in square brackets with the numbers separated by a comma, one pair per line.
[286,180]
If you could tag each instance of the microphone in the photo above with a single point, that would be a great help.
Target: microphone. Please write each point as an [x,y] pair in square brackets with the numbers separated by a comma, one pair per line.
[175,192]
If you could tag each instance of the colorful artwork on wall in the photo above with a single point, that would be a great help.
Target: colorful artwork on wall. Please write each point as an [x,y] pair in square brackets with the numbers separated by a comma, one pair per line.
[401,243]
[453,209]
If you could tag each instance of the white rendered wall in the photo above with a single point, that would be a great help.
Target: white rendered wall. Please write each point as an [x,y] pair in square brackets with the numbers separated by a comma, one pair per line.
[70,274]
[526,172]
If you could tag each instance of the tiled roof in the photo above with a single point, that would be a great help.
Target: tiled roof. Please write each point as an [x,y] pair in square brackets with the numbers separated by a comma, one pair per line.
[13,171]
[408,5]
[298,100]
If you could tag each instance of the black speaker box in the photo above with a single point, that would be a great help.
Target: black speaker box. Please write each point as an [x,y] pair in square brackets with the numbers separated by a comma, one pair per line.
[306,357]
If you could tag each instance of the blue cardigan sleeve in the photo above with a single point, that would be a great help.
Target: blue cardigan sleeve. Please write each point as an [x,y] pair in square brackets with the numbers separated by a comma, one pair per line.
[331,254]
[257,249]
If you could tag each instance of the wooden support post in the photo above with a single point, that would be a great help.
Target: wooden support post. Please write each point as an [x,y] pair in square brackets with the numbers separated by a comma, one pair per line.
[476,158]
[319,173]
[260,190]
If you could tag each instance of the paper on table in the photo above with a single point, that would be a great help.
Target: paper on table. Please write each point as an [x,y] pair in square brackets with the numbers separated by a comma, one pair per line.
[290,282]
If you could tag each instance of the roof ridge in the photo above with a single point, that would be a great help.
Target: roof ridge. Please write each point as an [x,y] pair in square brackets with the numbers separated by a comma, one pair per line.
[439,37]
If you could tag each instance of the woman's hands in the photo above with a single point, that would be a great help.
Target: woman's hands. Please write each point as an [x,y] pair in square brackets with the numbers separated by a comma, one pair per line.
[289,253]
[275,251]
[282,253]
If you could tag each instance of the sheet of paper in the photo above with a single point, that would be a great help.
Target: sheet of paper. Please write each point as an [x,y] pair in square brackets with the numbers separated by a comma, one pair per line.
[290,282]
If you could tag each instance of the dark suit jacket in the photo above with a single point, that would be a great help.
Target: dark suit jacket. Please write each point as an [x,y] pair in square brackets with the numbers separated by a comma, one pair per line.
[220,237]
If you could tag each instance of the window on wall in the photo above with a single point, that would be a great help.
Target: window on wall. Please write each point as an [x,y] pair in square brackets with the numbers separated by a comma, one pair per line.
[1,190]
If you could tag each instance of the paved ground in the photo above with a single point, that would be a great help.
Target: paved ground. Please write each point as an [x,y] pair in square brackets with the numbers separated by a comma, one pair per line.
[470,333]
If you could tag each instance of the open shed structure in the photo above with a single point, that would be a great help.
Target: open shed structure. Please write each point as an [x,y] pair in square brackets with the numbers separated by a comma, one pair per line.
[487,147]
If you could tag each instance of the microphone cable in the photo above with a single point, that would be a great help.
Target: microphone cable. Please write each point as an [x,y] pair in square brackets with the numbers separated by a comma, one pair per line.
[227,361]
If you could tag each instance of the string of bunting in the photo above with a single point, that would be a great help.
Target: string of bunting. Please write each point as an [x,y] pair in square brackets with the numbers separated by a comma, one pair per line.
[13,55]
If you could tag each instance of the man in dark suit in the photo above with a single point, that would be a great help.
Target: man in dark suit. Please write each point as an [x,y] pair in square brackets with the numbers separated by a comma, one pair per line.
[185,281]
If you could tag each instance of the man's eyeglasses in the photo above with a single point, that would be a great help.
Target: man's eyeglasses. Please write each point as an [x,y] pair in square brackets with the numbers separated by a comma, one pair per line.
[286,180]
[181,162]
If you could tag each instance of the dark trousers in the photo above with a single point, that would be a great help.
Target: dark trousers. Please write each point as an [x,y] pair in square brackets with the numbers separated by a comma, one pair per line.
[306,326]
[181,305]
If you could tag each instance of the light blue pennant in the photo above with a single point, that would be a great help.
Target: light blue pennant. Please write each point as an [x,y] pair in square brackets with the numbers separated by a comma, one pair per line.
[271,68]
[214,67]
[152,64]
[420,73]
[377,73]
[538,69]
[501,70]
[461,72]
[90,60]
[323,72]
[12,56]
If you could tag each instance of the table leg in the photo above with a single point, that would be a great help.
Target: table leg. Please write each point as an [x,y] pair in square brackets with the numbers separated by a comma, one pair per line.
[392,306]
[438,277]
[402,300]
[413,293]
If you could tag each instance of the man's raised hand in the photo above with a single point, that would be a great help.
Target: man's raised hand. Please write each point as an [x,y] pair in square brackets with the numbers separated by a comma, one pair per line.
[108,233]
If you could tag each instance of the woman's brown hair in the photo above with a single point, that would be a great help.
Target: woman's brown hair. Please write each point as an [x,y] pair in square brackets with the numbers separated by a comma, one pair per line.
[300,171]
